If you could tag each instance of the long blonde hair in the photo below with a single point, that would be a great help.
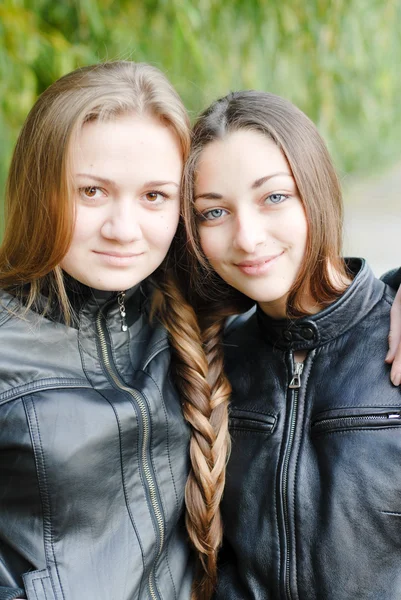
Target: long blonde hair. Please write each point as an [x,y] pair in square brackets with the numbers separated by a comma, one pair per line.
[39,228]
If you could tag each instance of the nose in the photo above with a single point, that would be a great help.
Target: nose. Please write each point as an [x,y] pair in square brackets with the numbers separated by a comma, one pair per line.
[249,232]
[123,223]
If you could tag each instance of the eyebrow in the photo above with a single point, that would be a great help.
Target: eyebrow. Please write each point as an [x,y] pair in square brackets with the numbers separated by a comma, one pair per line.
[209,196]
[256,184]
[106,181]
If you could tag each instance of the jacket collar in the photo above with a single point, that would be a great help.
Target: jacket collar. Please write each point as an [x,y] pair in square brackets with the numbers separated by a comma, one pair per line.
[89,301]
[313,331]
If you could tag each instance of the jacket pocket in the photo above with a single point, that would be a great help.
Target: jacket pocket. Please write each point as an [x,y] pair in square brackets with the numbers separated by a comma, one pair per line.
[253,422]
[38,585]
[367,419]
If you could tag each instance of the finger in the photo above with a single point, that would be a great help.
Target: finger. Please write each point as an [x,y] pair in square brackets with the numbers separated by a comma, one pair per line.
[394,338]
[395,374]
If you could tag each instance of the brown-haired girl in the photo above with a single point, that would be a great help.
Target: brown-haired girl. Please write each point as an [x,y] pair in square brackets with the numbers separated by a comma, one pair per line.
[312,503]
[93,443]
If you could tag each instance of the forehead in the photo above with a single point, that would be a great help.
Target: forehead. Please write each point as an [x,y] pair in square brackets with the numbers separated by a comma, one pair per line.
[242,155]
[142,142]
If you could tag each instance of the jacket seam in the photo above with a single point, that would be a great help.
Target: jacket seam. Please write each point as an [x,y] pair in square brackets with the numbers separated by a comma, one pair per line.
[127,504]
[41,579]
[235,430]
[43,487]
[43,384]
[343,303]
[158,347]
[251,410]
[387,300]
[358,429]
[389,404]
[342,306]
[81,351]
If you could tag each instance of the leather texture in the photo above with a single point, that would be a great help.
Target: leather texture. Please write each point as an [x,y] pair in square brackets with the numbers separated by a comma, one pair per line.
[312,505]
[93,457]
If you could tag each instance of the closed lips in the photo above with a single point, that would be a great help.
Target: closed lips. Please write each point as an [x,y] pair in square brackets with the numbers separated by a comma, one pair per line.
[259,261]
[119,254]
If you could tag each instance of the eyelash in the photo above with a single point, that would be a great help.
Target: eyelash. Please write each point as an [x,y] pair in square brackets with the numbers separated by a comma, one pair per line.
[90,187]
[82,193]
[157,193]
[204,216]
[283,196]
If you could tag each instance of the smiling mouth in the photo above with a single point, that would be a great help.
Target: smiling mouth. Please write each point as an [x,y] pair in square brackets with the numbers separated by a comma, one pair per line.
[259,266]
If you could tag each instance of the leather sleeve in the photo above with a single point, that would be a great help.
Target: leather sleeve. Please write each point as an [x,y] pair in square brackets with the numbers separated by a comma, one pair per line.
[8,593]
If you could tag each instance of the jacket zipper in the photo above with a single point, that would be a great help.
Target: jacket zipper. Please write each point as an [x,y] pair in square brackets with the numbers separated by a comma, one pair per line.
[349,421]
[294,385]
[152,488]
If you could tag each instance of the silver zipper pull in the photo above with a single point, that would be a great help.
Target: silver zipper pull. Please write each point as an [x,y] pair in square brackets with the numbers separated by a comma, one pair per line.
[296,376]
[123,314]
[394,415]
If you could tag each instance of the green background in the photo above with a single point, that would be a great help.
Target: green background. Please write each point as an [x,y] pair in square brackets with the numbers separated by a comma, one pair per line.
[338,60]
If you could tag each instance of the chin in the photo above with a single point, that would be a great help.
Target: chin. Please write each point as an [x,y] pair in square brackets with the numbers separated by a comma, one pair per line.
[109,284]
[260,296]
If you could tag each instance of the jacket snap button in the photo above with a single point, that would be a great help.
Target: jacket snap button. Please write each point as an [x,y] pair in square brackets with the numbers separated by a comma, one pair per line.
[287,335]
[308,333]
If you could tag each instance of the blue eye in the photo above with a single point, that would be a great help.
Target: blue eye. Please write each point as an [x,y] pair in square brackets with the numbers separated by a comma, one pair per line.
[212,215]
[276,198]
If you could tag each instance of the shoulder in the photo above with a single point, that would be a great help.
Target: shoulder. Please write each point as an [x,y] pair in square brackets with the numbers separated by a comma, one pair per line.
[34,350]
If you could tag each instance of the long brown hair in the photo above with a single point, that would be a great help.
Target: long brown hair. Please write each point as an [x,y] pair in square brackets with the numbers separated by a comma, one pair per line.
[320,193]
[39,210]
[39,228]
[316,179]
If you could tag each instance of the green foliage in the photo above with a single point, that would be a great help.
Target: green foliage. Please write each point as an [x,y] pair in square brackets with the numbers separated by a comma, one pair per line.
[336,59]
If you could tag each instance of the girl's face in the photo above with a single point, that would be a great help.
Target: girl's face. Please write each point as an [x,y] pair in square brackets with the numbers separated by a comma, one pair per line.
[252,224]
[126,175]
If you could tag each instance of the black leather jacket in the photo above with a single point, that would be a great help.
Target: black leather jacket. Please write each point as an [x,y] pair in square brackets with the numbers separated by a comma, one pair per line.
[312,506]
[93,458]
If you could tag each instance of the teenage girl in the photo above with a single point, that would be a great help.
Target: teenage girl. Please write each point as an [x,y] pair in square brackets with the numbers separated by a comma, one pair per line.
[312,503]
[93,441]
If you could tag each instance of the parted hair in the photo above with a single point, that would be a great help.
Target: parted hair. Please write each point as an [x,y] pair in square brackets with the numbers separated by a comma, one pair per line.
[319,190]
[38,233]
[316,179]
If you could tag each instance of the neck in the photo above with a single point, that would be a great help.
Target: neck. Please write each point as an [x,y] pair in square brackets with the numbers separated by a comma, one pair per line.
[278,309]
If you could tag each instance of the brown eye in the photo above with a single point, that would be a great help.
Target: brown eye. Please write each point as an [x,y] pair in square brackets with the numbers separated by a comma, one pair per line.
[152,196]
[90,191]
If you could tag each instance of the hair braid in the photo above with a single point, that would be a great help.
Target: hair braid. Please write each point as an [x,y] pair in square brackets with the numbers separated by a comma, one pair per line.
[205,393]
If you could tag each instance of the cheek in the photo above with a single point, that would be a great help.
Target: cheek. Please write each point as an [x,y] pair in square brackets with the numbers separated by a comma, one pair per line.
[85,229]
[297,230]
[161,230]
[212,244]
